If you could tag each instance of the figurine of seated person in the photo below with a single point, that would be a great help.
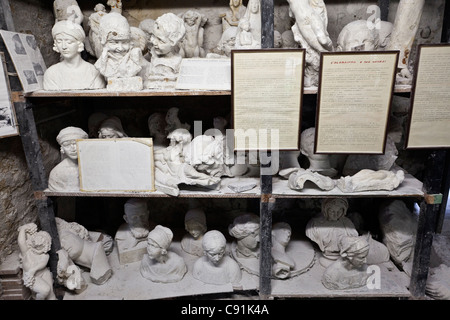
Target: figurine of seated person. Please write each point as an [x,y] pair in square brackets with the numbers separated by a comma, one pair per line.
[72,73]
[64,176]
[160,264]
[120,61]
[168,31]
[215,267]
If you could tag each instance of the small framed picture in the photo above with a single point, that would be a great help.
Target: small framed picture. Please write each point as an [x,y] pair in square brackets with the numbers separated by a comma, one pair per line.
[8,121]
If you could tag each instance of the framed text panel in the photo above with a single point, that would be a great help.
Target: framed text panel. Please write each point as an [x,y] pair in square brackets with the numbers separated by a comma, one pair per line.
[354,100]
[429,120]
[116,165]
[267,93]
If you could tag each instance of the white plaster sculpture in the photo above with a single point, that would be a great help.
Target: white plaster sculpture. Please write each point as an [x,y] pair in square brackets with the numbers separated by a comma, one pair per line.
[120,62]
[34,246]
[245,229]
[67,10]
[95,47]
[72,73]
[215,266]
[146,25]
[398,226]
[331,225]
[232,17]
[250,24]
[191,46]
[282,262]
[288,40]
[171,169]
[349,271]
[156,126]
[438,283]
[131,237]
[406,24]
[173,121]
[226,43]
[69,274]
[168,31]
[64,176]
[371,180]
[310,30]
[115,5]
[195,225]
[320,163]
[358,35]
[160,264]
[386,161]
[300,178]
[111,128]
[83,251]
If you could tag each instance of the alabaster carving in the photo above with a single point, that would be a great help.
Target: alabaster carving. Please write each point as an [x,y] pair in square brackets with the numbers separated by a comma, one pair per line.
[320,163]
[83,251]
[120,61]
[69,274]
[371,180]
[331,224]
[34,246]
[299,178]
[248,33]
[215,266]
[355,163]
[191,46]
[67,10]
[232,17]
[157,126]
[195,225]
[406,24]
[349,271]
[72,73]
[172,170]
[160,264]
[398,226]
[168,31]
[95,47]
[310,30]
[245,229]
[282,262]
[111,128]
[131,237]
[64,176]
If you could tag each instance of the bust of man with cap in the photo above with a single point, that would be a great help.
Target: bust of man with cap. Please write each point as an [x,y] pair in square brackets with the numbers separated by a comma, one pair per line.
[132,235]
[159,264]
[72,73]
[64,176]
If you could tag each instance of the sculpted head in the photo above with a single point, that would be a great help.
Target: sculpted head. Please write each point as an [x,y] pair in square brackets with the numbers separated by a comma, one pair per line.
[68,38]
[168,31]
[214,246]
[67,139]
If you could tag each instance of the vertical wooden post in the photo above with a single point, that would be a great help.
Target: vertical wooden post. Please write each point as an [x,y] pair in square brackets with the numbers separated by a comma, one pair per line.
[429,211]
[265,258]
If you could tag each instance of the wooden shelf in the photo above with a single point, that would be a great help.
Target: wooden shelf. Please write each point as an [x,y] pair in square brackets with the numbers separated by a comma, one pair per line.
[158,93]
[410,187]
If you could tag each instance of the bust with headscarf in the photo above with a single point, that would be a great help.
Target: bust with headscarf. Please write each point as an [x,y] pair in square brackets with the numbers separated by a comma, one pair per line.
[160,264]
[72,72]
[64,176]
[195,225]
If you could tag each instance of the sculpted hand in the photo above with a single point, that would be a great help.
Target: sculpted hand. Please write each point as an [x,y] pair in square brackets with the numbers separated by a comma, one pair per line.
[311,20]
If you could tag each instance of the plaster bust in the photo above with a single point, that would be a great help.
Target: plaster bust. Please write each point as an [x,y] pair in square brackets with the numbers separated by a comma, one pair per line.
[111,128]
[72,73]
[119,58]
[358,35]
[160,264]
[320,163]
[168,31]
[216,267]
[195,225]
[350,269]
[64,176]
[34,246]
[282,262]
[245,229]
